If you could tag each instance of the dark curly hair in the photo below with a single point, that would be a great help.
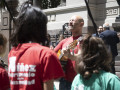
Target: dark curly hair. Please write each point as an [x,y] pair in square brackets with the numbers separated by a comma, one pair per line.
[94,56]
[31,26]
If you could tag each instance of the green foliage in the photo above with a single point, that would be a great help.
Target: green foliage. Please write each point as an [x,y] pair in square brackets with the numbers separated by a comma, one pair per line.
[49,4]
[2,4]
[54,3]
[44,4]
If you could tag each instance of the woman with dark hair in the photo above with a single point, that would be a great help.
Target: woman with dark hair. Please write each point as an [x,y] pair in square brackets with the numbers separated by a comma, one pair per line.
[32,65]
[94,67]
[31,26]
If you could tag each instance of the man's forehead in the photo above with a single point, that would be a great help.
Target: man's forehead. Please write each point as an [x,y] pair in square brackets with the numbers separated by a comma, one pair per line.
[73,17]
[76,17]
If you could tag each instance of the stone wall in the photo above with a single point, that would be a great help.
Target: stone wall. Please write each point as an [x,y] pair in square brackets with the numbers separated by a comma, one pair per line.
[4,29]
[102,11]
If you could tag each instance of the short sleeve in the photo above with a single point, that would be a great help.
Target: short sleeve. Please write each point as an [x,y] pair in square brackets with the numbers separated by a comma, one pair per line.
[114,83]
[59,46]
[52,67]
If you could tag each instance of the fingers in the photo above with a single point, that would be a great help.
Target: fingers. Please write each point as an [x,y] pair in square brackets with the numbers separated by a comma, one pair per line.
[66,52]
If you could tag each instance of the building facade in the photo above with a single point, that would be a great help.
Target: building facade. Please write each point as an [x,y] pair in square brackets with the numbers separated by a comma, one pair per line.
[102,11]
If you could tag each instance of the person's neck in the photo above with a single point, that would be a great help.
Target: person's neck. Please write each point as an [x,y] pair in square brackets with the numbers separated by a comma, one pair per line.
[76,35]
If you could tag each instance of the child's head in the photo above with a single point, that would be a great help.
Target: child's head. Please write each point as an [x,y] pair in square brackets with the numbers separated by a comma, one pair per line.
[94,56]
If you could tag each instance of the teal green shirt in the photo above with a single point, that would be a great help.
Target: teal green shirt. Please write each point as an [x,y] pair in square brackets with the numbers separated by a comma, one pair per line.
[54,87]
[102,81]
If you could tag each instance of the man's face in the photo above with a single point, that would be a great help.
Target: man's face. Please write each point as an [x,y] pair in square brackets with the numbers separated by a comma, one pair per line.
[73,23]
[100,29]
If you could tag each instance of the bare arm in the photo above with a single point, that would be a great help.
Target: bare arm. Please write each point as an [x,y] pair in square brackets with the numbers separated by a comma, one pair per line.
[48,85]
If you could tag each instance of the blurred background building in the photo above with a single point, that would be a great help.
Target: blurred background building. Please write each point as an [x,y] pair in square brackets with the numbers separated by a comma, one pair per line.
[59,13]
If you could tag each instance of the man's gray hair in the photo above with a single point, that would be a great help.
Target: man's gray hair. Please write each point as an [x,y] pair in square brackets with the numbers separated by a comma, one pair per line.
[106,26]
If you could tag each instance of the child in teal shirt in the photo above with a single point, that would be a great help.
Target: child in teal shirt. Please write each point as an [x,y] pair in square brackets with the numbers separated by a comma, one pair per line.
[94,67]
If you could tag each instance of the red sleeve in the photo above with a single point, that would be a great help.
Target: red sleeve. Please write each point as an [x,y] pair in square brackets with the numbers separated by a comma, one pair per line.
[4,80]
[59,46]
[52,67]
